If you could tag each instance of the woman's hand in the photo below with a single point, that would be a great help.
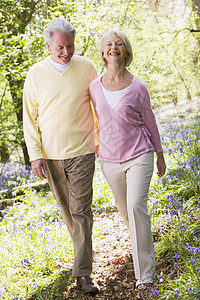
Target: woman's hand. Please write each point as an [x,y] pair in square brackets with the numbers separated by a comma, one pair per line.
[161,166]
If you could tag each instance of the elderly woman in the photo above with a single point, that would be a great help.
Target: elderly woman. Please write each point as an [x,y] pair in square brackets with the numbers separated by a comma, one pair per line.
[128,139]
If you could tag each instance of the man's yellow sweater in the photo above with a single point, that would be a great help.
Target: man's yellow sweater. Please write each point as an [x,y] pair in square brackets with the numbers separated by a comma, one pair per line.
[58,119]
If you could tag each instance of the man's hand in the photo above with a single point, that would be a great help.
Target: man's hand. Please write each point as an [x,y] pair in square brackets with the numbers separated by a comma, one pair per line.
[39,168]
[97,150]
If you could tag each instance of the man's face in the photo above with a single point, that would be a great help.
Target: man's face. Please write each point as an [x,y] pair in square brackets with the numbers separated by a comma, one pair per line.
[62,47]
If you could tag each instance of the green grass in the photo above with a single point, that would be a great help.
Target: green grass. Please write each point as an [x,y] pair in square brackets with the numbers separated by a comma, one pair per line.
[37,253]
[35,248]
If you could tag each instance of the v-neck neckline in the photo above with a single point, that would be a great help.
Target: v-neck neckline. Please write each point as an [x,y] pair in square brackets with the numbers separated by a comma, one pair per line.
[60,73]
[120,100]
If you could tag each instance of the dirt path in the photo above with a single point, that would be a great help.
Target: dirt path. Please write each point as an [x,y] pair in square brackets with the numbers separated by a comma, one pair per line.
[112,268]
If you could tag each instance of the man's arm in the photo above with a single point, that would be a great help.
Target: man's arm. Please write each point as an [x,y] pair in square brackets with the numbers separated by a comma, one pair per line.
[30,122]
[96,130]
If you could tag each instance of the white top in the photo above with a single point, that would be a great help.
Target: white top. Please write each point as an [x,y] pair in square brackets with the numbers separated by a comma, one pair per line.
[113,97]
[59,67]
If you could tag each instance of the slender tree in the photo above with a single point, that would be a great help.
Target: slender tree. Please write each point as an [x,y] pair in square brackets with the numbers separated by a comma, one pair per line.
[16,19]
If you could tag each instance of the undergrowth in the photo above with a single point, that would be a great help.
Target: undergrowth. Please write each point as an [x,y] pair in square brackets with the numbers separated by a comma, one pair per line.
[36,251]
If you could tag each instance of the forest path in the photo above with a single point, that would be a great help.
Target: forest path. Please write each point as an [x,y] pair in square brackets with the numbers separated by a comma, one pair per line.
[112,267]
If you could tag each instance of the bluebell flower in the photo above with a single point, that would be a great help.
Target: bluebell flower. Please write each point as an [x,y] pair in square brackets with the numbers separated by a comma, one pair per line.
[149,291]
[160,278]
[156,292]
[176,295]
[187,245]
[35,284]
[177,255]
[194,260]
[15,174]
[170,198]
[25,261]
[192,249]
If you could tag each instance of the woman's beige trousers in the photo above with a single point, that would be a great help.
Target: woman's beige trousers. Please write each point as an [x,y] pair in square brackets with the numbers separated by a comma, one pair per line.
[129,182]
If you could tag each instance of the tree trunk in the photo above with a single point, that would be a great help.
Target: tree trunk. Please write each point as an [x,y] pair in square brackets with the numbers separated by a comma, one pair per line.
[15,87]
[19,190]
[4,152]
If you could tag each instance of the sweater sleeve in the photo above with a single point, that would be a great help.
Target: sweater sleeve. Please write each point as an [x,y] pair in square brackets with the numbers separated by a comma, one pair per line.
[149,120]
[30,124]
[96,128]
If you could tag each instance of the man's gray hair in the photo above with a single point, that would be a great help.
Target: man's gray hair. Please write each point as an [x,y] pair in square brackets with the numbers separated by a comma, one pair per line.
[58,24]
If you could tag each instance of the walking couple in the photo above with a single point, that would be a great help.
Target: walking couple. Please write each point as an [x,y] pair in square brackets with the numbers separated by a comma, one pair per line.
[62,97]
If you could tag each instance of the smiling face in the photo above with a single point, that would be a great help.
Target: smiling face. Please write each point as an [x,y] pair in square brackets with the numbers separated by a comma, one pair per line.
[114,50]
[62,47]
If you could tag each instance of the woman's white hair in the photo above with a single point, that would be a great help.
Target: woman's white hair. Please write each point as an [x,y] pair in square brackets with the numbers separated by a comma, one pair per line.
[58,24]
[126,42]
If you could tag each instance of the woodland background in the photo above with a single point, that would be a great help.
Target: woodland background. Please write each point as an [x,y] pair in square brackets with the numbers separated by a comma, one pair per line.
[165,35]
[36,252]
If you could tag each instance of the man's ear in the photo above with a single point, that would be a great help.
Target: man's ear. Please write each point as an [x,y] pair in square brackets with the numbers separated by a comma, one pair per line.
[48,46]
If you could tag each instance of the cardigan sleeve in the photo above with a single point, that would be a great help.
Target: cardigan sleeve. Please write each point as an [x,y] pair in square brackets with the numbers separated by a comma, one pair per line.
[149,120]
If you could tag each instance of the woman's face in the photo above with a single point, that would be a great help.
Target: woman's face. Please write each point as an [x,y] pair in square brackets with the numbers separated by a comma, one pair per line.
[114,50]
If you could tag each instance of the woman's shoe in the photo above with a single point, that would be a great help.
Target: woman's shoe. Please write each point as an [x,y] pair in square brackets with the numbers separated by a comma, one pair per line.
[143,286]
[144,283]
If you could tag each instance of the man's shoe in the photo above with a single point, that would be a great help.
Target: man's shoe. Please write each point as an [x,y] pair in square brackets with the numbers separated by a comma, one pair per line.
[85,284]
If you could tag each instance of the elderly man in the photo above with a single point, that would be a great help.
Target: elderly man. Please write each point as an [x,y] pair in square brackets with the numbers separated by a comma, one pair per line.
[59,133]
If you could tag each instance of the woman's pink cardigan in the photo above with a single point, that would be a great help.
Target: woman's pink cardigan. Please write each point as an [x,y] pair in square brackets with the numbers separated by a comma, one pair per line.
[129,129]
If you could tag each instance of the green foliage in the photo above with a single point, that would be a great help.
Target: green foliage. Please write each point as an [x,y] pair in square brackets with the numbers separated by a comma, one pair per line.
[103,198]
[21,45]
[39,243]
[174,204]
[164,35]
